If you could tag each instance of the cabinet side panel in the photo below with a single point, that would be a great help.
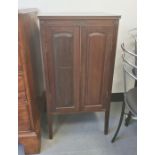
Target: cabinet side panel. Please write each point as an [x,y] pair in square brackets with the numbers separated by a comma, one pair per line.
[23,118]
[30,76]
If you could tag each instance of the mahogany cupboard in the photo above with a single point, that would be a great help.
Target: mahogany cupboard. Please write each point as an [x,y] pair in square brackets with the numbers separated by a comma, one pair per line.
[29,81]
[78,58]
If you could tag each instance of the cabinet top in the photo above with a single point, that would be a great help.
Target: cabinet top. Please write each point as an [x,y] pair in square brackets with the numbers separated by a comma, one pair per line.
[77,15]
[26,11]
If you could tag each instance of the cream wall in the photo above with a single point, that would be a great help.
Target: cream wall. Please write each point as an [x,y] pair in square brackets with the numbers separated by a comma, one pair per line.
[125,8]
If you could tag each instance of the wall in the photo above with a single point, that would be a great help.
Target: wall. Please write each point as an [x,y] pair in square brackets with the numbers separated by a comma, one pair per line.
[125,8]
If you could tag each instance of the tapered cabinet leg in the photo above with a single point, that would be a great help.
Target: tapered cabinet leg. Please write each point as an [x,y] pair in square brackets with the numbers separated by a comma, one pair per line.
[106,125]
[50,123]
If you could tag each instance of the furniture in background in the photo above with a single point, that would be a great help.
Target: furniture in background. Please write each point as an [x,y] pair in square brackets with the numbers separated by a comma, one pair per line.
[130,96]
[133,34]
[30,87]
[78,58]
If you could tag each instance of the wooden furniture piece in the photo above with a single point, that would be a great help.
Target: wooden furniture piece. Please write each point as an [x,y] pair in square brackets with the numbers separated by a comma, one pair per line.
[78,56]
[29,81]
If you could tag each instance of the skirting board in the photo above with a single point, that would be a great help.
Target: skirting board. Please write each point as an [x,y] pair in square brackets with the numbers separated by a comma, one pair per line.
[117,97]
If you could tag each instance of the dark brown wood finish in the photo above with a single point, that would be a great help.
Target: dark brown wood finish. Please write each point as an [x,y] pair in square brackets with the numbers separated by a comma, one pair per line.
[79,54]
[62,63]
[30,85]
[96,45]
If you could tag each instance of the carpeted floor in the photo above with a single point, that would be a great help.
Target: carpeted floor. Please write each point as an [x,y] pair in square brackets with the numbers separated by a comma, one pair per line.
[83,134]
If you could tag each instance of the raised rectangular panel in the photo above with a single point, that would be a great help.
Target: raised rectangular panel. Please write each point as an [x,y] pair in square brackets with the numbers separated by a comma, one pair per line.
[63,66]
[96,45]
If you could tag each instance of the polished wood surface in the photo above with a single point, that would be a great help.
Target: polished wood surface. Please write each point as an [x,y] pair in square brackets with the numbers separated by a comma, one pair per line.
[96,44]
[30,85]
[79,56]
[24,123]
[62,64]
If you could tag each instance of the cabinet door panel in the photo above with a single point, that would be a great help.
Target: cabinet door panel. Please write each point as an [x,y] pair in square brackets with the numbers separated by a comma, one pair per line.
[63,60]
[96,46]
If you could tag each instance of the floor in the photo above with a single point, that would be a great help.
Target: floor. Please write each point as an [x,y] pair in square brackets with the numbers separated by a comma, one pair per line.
[83,134]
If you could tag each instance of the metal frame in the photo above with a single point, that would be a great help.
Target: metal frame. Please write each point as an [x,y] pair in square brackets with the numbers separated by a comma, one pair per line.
[126,72]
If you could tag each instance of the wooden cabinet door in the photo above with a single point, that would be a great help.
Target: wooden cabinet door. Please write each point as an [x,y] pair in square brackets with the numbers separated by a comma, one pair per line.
[62,60]
[96,52]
